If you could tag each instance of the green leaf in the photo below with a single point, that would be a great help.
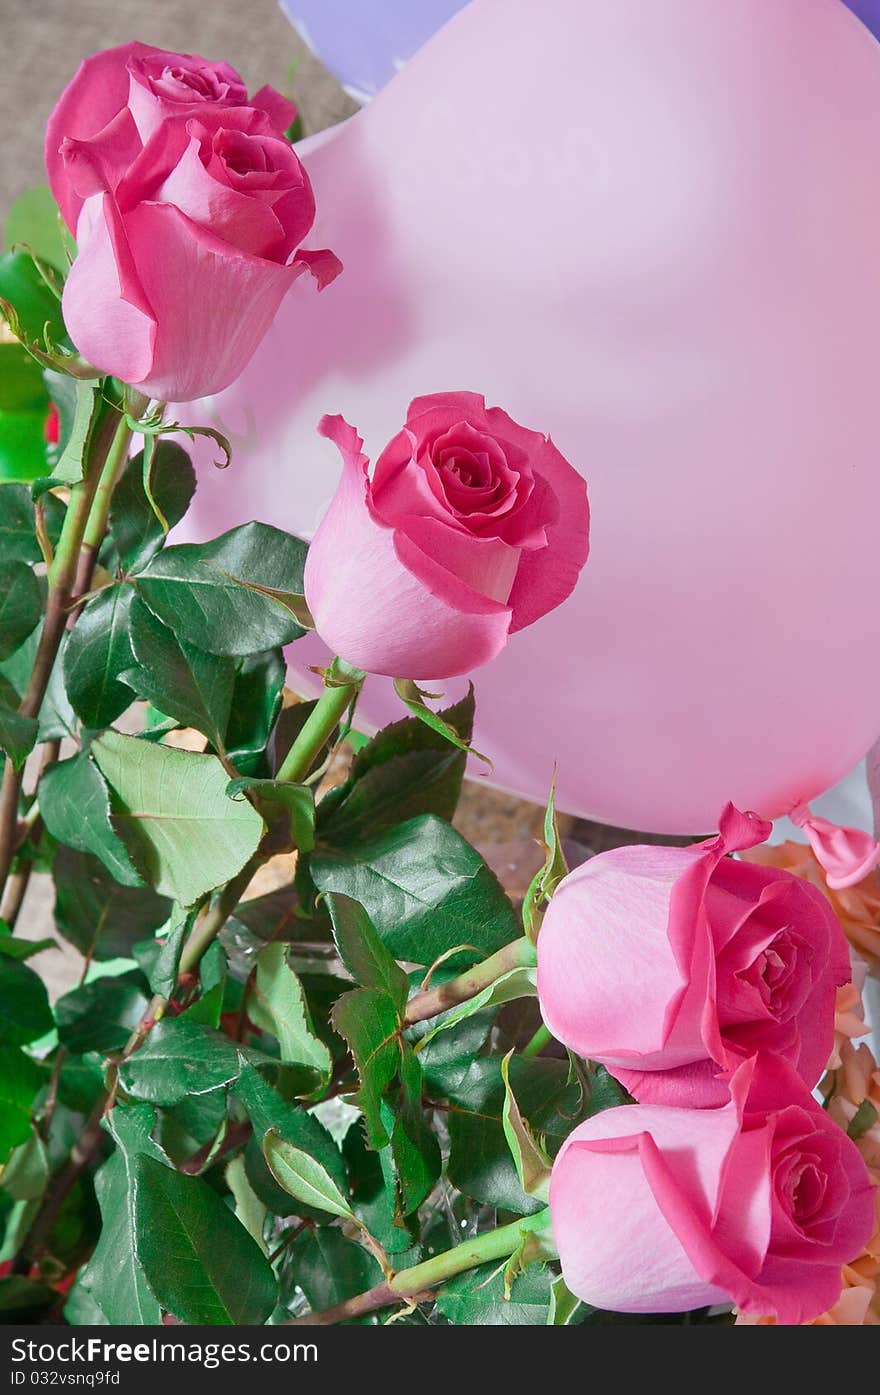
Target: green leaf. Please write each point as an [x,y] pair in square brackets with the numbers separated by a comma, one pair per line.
[18,539]
[190,685]
[21,949]
[75,805]
[268,1111]
[425,890]
[476,1298]
[98,651]
[34,221]
[374,1191]
[21,605]
[278,1005]
[35,308]
[303,1178]
[102,918]
[57,718]
[531,1161]
[181,1058]
[101,1015]
[295,804]
[565,1310]
[256,703]
[113,1278]
[545,882]
[90,408]
[413,697]
[25,1014]
[249,1209]
[369,1021]
[173,808]
[165,968]
[190,588]
[134,528]
[198,1260]
[330,1269]
[480,1164]
[363,953]
[863,1120]
[27,1173]
[414,1147]
[406,770]
[18,735]
[21,1079]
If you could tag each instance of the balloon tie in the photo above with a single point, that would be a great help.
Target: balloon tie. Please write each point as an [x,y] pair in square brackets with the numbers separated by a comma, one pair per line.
[846,854]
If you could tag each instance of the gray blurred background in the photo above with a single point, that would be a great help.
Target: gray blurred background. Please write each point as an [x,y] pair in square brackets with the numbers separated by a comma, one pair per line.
[43,41]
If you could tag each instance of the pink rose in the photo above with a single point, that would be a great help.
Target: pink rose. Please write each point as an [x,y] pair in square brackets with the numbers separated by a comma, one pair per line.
[760,1202]
[185,256]
[471,528]
[120,96]
[672,965]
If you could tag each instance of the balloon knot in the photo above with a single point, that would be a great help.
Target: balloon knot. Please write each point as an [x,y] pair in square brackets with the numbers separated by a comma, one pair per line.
[846,854]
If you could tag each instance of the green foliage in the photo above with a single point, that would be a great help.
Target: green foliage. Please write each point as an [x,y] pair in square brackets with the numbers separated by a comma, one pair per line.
[480,1162]
[477,1299]
[97,653]
[213,1272]
[136,534]
[273,1132]
[425,889]
[21,605]
[172,810]
[195,589]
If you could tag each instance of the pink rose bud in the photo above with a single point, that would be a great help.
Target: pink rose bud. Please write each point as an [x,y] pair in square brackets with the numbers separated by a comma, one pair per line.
[760,1201]
[187,242]
[471,528]
[672,965]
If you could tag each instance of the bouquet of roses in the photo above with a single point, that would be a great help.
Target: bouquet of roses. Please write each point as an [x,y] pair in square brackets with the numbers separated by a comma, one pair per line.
[319,1066]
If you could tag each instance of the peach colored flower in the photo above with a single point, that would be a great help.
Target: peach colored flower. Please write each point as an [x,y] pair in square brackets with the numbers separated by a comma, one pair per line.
[857,907]
[849,1023]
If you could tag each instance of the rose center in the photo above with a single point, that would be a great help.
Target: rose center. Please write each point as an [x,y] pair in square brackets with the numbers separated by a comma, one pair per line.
[775,972]
[805,1190]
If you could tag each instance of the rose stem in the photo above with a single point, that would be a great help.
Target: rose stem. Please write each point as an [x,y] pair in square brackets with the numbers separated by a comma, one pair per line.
[412,1284]
[520,954]
[541,1039]
[62,579]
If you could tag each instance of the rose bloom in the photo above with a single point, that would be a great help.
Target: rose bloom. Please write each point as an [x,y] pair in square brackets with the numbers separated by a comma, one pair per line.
[471,528]
[672,965]
[857,1079]
[188,226]
[857,907]
[760,1201]
[123,94]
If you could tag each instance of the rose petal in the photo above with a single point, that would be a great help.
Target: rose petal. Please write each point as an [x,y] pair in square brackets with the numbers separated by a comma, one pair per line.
[95,95]
[106,309]
[224,287]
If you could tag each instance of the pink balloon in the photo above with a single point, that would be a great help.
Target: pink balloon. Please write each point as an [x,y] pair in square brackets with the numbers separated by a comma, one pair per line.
[653,231]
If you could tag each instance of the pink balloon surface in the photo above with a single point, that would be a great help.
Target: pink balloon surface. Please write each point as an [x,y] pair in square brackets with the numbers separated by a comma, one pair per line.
[652,230]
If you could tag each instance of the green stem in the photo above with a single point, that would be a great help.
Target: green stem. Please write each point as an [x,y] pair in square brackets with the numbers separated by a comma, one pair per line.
[520,954]
[62,579]
[412,1284]
[328,712]
[96,524]
[542,1038]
